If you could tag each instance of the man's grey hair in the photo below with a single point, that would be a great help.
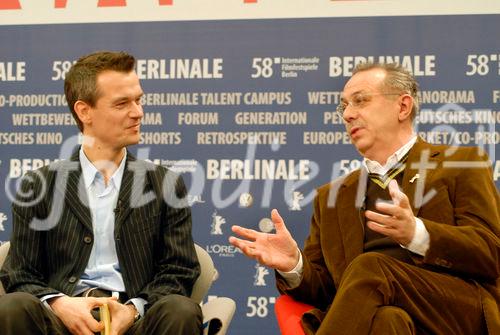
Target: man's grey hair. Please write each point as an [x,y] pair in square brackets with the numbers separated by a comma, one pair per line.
[398,79]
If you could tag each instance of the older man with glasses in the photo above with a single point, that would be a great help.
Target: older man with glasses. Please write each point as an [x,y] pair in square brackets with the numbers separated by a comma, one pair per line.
[409,243]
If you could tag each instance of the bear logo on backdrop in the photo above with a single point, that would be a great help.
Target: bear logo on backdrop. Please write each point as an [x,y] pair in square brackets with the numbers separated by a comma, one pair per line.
[296,198]
[217,222]
[260,273]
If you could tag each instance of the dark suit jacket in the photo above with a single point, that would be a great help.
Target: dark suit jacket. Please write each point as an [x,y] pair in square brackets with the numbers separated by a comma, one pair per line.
[462,219]
[52,232]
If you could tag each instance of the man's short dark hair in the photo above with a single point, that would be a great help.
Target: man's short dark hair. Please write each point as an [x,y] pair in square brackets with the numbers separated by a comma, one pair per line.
[398,79]
[81,80]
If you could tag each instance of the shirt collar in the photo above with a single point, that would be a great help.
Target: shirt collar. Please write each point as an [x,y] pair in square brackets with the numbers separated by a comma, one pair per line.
[376,167]
[90,172]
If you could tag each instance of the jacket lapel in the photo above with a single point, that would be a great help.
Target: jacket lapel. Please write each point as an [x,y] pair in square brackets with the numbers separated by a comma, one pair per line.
[131,196]
[423,159]
[351,221]
[73,191]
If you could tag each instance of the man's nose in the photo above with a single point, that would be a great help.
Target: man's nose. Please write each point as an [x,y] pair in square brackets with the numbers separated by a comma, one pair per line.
[350,113]
[137,111]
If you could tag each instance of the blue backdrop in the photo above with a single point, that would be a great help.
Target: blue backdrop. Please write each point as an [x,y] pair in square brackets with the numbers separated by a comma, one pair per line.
[209,84]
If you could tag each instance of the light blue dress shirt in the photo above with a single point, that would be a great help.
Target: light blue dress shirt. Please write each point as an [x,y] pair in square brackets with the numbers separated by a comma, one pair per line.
[102,270]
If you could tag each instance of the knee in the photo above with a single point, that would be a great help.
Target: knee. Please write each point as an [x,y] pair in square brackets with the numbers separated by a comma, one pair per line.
[369,259]
[392,318]
[370,263]
[369,269]
[18,303]
[387,314]
[177,308]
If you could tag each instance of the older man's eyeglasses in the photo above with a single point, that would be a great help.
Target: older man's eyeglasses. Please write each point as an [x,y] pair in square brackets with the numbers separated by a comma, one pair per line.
[358,100]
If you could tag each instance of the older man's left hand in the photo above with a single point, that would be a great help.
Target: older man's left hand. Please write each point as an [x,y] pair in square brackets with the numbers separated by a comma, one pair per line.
[394,220]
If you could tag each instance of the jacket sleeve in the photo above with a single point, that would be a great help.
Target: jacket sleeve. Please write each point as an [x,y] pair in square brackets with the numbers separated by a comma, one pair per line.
[24,268]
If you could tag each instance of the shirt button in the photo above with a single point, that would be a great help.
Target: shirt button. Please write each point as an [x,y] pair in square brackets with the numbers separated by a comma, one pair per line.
[87,239]
[72,279]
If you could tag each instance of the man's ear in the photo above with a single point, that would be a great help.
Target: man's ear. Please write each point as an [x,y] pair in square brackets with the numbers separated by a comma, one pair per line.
[82,109]
[406,104]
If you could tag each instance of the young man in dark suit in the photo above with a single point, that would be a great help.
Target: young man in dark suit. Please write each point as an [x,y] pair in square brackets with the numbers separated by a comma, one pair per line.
[409,243]
[102,227]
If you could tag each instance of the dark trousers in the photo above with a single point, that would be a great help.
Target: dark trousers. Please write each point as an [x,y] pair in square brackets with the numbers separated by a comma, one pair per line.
[23,313]
[381,295]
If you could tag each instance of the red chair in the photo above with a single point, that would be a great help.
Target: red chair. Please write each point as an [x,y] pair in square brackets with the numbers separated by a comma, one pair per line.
[288,313]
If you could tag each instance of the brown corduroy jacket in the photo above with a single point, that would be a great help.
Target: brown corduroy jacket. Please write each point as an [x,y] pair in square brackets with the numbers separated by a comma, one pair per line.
[462,219]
